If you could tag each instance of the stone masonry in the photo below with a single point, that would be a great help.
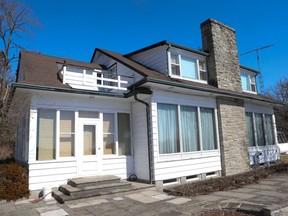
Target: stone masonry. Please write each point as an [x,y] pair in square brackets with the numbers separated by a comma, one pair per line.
[219,41]
[233,137]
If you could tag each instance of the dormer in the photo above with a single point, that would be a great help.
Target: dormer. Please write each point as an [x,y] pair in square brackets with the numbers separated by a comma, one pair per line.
[248,80]
[187,65]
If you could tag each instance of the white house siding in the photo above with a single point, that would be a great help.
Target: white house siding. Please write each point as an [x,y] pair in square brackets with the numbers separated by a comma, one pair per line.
[155,59]
[179,165]
[140,147]
[58,171]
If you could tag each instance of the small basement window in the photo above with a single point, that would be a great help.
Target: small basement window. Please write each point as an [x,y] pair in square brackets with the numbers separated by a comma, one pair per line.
[192,178]
[170,181]
[211,174]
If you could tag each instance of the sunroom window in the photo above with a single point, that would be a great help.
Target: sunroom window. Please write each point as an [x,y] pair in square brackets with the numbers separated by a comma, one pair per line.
[180,127]
[188,67]
[260,129]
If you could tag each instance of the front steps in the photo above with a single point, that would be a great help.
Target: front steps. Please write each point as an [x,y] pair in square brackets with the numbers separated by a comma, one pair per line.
[85,187]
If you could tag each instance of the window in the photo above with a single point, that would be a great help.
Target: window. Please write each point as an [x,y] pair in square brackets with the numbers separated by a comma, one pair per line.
[89,132]
[46,136]
[67,133]
[188,67]
[248,82]
[179,126]
[124,134]
[108,133]
[260,129]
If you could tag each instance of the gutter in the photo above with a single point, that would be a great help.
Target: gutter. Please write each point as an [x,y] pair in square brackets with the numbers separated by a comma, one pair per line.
[187,86]
[148,124]
[67,90]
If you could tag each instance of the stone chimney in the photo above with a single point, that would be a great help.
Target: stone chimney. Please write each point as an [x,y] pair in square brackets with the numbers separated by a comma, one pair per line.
[224,72]
[219,41]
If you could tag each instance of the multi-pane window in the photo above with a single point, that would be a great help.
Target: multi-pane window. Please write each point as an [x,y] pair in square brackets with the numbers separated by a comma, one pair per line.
[188,67]
[260,129]
[180,127]
[248,82]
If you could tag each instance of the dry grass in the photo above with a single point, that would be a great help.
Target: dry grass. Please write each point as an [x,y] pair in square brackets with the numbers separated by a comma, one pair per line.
[284,158]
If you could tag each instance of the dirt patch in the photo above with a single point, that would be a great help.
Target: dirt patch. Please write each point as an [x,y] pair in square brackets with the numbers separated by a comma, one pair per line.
[226,183]
[223,213]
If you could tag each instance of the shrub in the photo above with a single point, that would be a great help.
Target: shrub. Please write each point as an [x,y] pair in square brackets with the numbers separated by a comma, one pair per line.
[13,181]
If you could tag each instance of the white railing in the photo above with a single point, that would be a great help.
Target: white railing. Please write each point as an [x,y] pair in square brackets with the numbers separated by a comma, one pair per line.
[92,79]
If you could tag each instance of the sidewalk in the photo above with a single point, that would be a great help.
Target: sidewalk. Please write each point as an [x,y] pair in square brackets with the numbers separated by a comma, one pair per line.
[270,197]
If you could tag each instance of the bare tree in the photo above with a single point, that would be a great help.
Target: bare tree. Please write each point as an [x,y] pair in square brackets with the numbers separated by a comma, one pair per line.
[280,93]
[15,21]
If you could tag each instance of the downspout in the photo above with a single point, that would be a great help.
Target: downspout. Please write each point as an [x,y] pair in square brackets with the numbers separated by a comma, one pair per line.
[148,130]
[168,60]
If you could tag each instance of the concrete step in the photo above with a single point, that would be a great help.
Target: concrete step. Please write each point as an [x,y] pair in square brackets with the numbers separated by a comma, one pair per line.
[94,180]
[74,191]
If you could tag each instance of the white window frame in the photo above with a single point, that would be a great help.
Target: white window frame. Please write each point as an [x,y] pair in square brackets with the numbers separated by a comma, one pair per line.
[250,83]
[201,151]
[179,56]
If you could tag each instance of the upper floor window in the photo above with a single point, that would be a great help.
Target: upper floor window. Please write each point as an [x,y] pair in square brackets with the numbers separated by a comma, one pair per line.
[248,82]
[188,67]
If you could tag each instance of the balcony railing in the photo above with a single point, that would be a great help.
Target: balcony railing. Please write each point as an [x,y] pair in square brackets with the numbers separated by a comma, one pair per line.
[92,79]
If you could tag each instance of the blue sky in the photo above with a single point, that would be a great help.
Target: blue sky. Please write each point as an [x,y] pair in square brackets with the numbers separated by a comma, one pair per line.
[73,28]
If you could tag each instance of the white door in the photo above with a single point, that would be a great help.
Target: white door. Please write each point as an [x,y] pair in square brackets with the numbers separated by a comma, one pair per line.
[89,149]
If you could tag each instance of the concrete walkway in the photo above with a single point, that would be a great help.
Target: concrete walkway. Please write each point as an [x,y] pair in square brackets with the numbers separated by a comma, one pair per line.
[270,197]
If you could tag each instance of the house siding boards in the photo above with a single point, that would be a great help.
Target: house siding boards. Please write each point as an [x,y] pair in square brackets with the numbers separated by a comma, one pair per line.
[155,58]
[140,147]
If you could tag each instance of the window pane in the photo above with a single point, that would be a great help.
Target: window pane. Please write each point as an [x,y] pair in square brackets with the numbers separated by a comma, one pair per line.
[174,59]
[244,81]
[208,129]
[66,133]
[189,68]
[175,70]
[89,140]
[250,129]
[203,75]
[46,135]
[269,129]
[108,133]
[189,129]
[124,134]
[259,129]
[202,65]
[168,129]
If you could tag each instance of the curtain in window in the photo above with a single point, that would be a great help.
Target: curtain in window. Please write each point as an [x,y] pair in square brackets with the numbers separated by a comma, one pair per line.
[189,68]
[89,139]
[269,129]
[189,129]
[244,81]
[259,129]
[168,129]
[250,129]
[208,129]
[124,135]
[66,133]
[46,134]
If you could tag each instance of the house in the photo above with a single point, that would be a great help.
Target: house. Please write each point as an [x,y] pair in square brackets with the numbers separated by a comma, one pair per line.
[166,113]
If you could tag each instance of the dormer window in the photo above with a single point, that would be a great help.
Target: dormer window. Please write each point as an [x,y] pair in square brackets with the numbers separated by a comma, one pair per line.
[248,82]
[187,67]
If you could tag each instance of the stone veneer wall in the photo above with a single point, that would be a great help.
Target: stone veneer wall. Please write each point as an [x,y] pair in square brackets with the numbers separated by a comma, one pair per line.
[233,136]
[219,41]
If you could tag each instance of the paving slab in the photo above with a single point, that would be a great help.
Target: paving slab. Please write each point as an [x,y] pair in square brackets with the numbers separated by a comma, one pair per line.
[261,187]
[163,196]
[142,198]
[97,201]
[58,212]
[272,193]
[78,205]
[179,200]
[234,195]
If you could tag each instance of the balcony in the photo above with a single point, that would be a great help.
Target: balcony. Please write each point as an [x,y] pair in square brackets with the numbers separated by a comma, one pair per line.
[92,79]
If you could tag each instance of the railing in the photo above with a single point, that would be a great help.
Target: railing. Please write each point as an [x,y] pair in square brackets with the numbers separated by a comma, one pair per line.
[92,79]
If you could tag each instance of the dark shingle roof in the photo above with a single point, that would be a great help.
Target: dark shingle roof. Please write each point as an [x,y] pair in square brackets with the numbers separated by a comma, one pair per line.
[39,69]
